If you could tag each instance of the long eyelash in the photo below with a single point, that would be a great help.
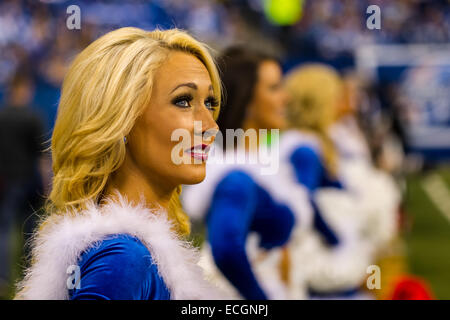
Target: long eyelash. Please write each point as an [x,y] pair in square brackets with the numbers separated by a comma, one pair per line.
[183,97]
[214,102]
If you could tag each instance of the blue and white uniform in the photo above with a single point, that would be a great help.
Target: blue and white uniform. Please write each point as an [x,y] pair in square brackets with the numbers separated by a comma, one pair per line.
[331,260]
[375,192]
[249,217]
[114,252]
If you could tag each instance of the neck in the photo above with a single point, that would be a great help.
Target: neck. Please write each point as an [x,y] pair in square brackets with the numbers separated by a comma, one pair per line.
[135,186]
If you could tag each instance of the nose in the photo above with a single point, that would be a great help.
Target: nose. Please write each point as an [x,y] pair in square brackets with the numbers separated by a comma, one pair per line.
[209,127]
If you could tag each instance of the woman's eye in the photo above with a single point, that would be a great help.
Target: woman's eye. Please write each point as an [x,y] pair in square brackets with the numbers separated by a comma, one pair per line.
[182,102]
[211,103]
[275,86]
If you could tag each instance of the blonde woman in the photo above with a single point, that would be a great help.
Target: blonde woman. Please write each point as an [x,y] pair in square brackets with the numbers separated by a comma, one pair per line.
[331,261]
[115,226]
[354,206]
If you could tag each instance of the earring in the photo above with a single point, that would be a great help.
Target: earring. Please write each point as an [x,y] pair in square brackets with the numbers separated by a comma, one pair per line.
[125,140]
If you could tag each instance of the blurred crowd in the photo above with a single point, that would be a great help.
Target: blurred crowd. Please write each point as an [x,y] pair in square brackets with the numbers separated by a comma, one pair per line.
[34,38]
[36,48]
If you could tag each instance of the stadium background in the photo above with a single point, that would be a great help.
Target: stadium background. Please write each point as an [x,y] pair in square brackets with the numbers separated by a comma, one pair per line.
[34,38]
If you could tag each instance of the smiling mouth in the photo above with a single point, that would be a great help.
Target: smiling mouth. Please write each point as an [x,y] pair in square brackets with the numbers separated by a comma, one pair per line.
[199,152]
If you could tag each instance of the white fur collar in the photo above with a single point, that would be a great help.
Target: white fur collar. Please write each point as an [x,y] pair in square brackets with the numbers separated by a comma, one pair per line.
[60,243]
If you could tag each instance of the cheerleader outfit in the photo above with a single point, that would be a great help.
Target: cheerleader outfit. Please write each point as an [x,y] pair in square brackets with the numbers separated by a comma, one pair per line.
[249,218]
[332,259]
[120,251]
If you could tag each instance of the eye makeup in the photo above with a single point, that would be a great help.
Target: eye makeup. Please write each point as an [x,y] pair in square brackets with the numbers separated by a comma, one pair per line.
[184,101]
[212,103]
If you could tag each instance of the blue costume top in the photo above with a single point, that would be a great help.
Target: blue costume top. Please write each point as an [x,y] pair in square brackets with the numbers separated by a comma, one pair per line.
[311,173]
[309,169]
[240,206]
[119,268]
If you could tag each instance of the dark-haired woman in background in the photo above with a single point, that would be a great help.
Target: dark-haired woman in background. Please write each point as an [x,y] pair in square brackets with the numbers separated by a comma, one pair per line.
[249,216]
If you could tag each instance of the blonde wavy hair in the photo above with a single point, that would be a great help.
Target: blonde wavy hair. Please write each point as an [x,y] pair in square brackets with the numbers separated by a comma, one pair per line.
[105,90]
[316,91]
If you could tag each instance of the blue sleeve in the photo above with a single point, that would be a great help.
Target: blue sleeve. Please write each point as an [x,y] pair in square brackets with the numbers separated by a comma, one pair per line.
[229,221]
[119,268]
[307,166]
[310,173]
[322,226]
[327,181]
[273,221]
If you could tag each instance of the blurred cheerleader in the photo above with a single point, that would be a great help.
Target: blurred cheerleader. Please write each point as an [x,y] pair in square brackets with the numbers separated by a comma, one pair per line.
[249,215]
[115,226]
[378,194]
[350,223]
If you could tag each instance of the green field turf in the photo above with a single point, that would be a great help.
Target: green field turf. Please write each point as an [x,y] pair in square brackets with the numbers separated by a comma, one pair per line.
[428,240]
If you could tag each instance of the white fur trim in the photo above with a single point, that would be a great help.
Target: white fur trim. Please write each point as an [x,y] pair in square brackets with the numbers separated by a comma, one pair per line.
[377,197]
[59,244]
[362,215]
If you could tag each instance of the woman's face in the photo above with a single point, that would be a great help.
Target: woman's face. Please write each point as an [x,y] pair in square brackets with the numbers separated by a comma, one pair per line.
[268,106]
[350,97]
[182,93]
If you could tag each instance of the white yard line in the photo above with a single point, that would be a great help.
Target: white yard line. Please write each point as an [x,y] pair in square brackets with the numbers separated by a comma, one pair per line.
[439,193]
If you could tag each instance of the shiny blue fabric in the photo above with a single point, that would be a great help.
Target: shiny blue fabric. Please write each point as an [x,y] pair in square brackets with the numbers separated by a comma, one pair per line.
[120,267]
[311,173]
[239,207]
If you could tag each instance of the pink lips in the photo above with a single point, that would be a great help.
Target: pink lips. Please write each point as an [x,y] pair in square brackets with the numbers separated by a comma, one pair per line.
[199,152]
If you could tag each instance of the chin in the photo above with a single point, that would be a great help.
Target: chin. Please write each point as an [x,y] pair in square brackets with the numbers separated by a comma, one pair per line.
[276,122]
[277,125]
[194,174]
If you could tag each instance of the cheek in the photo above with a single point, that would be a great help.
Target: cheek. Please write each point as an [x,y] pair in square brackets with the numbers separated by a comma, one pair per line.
[270,104]
[153,148]
[159,141]
[270,108]
[150,144]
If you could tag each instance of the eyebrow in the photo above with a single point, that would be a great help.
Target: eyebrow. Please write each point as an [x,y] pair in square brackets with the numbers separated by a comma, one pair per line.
[190,85]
